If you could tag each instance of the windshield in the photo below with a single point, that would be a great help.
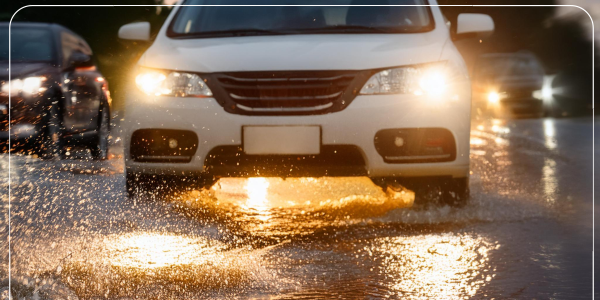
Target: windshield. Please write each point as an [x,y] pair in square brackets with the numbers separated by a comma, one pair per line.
[198,21]
[28,45]
[508,66]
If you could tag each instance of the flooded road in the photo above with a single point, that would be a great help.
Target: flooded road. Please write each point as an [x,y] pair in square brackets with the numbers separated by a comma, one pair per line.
[526,233]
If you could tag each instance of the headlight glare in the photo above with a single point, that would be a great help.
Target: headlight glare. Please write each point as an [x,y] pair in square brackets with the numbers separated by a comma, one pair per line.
[432,82]
[177,84]
[545,94]
[28,86]
[150,82]
[417,80]
[495,97]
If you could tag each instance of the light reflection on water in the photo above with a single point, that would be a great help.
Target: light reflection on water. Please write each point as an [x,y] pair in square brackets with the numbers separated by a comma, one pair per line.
[440,266]
[295,206]
[161,265]
[306,210]
[257,190]
[150,265]
[475,141]
[150,251]
[549,132]
[549,179]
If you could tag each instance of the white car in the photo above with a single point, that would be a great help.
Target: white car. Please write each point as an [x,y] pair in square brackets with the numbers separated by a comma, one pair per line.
[291,90]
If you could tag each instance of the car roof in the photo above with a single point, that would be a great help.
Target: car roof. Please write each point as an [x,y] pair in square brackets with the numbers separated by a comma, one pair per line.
[52,26]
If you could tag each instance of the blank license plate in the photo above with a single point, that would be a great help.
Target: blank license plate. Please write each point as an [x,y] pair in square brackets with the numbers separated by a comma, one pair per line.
[264,140]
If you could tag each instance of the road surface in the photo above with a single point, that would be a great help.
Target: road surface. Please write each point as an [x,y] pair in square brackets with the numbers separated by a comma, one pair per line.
[527,232]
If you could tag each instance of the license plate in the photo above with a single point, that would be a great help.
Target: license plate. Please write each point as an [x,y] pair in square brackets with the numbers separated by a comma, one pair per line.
[281,140]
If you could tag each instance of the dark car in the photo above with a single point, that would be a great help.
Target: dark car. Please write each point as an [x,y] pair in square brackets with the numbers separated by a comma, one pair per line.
[58,98]
[508,84]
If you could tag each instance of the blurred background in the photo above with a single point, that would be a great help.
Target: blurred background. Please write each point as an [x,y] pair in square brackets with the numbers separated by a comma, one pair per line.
[561,37]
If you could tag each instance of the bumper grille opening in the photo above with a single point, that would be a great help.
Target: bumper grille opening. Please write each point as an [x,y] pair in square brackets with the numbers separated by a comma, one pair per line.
[287,92]
[163,145]
[334,160]
[415,145]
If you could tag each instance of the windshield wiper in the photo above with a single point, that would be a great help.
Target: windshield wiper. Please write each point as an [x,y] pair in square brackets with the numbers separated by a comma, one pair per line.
[233,32]
[257,31]
[351,29]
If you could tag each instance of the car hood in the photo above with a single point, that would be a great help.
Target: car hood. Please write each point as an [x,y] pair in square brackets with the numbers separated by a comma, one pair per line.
[19,70]
[532,82]
[294,52]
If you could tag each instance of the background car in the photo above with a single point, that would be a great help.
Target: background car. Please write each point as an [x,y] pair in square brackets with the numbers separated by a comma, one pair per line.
[58,96]
[508,84]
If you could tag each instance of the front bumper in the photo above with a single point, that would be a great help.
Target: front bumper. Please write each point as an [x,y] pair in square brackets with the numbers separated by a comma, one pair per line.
[356,125]
[515,106]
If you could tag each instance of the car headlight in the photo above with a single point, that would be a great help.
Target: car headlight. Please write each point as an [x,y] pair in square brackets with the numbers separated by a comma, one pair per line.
[495,97]
[430,79]
[28,86]
[545,94]
[177,84]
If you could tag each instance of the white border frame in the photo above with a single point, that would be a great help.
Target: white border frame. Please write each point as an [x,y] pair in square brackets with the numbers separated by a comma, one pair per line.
[157,5]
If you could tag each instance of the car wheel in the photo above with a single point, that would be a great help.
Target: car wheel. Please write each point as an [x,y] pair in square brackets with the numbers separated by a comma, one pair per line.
[455,191]
[132,186]
[138,184]
[51,145]
[100,146]
[431,191]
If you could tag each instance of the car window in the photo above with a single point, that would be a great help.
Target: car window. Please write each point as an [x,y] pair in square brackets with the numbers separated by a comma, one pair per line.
[84,47]
[508,66]
[71,43]
[27,44]
[290,19]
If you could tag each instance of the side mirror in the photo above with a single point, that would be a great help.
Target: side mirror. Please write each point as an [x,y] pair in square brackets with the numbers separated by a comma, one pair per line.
[80,60]
[139,31]
[474,25]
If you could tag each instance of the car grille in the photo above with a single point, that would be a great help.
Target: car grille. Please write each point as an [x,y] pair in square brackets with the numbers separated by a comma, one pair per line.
[287,92]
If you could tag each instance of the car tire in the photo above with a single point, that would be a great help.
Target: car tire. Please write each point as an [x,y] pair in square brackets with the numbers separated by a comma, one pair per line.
[99,147]
[431,191]
[455,191]
[139,184]
[132,185]
[50,142]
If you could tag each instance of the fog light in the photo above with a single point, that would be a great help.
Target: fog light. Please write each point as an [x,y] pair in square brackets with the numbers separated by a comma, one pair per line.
[399,142]
[163,145]
[172,143]
[493,97]
[547,93]
[415,145]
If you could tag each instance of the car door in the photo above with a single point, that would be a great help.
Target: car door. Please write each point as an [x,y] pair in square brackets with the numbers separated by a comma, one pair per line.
[80,86]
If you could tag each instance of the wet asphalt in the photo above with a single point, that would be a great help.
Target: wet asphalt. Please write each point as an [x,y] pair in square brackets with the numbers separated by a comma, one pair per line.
[525,234]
